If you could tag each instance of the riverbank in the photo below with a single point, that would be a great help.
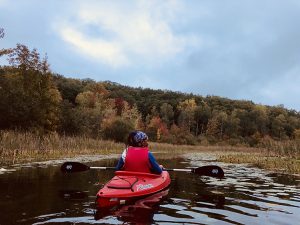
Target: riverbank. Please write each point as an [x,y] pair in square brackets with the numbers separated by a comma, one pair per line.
[264,161]
[277,156]
[19,147]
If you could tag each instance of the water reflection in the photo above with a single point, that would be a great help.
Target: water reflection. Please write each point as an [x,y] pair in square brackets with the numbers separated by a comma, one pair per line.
[140,212]
[252,196]
[248,195]
[73,194]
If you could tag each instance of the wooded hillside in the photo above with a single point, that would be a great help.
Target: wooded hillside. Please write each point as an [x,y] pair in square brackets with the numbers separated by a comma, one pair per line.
[32,98]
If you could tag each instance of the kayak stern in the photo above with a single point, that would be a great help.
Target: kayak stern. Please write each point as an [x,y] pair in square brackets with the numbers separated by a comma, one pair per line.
[128,186]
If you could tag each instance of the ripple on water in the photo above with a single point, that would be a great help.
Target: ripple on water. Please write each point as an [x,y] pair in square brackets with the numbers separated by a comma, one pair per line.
[255,193]
[247,195]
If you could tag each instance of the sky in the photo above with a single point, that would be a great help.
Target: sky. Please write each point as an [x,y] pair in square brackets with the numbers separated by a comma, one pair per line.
[237,49]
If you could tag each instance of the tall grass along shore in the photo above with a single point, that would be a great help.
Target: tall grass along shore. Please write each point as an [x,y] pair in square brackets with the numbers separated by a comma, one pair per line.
[17,147]
[281,156]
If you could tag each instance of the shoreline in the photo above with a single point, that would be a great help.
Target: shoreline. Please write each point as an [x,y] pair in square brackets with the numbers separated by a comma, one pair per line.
[17,148]
[226,154]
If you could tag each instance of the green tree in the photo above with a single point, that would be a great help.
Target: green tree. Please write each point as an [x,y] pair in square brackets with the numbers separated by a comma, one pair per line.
[118,129]
[248,125]
[94,111]
[202,115]
[131,114]
[29,98]
[167,114]
[187,113]
[277,125]
[232,125]
[260,117]
[68,87]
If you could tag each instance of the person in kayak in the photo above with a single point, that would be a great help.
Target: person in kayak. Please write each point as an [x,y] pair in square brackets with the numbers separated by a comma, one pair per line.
[137,157]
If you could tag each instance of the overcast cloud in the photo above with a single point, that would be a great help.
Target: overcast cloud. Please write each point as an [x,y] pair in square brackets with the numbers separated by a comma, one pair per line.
[246,49]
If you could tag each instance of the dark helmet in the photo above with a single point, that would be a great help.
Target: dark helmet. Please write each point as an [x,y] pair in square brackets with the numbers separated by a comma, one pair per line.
[137,139]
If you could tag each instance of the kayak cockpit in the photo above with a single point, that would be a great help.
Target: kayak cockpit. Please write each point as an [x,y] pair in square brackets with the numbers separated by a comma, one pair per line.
[128,185]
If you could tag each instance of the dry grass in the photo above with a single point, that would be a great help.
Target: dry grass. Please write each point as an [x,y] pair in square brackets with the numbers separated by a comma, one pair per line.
[263,160]
[190,148]
[283,156]
[19,147]
[288,148]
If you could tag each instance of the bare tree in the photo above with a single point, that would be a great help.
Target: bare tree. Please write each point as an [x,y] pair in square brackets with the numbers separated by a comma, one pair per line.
[1,32]
[4,51]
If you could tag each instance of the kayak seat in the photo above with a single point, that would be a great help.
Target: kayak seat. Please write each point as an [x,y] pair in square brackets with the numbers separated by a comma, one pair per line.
[122,182]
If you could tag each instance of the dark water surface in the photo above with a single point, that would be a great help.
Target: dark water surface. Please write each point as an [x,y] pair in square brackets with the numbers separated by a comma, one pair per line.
[43,195]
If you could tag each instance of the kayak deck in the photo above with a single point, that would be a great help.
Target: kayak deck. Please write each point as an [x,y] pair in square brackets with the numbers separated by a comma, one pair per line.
[127,186]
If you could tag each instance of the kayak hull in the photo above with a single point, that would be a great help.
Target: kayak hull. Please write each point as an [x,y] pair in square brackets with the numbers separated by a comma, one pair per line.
[128,186]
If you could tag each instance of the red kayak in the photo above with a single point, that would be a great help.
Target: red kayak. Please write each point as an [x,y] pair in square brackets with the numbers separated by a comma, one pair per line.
[127,186]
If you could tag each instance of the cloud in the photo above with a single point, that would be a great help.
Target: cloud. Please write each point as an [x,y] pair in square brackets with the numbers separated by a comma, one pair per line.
[236,49]
[124,33]
[284,89]
[253,52]
[107,52]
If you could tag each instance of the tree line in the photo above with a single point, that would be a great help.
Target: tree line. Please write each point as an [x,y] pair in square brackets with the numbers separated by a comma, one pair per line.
[33,98]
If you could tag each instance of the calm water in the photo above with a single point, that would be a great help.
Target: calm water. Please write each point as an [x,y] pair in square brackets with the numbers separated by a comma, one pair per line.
[42,195]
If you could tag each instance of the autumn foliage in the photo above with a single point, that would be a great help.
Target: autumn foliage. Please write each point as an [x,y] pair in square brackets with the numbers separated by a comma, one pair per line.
[35,99]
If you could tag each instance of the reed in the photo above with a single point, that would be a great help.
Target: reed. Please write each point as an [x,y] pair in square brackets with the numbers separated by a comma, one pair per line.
[170,148]
[17,147]
[286,148]
[261,160]
[23,147]
[283,156]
